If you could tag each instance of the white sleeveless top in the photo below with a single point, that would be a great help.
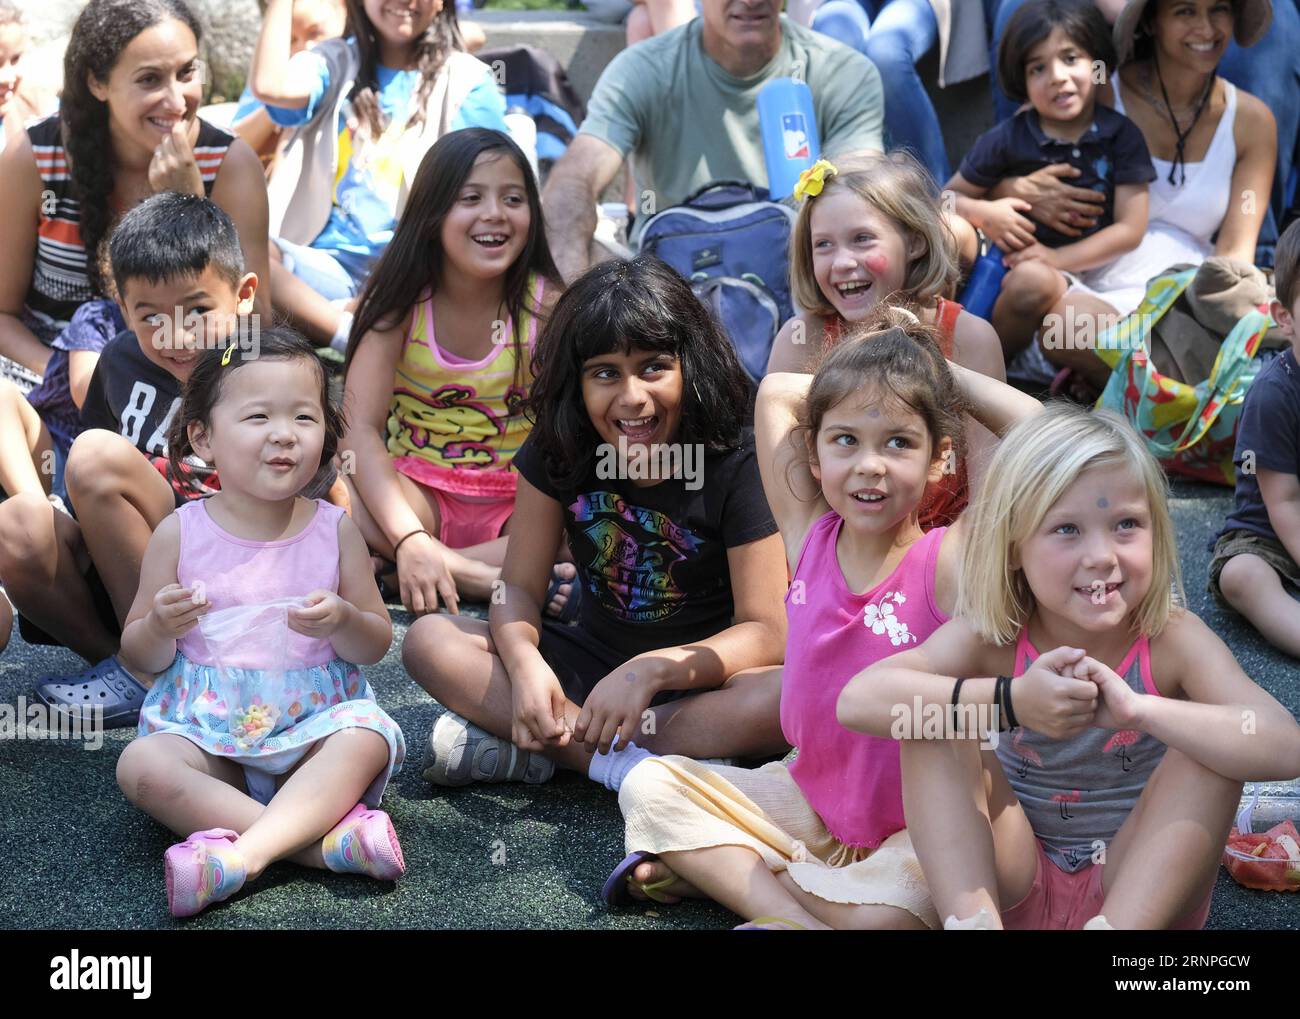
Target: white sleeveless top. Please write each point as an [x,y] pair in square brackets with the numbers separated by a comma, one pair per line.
[1182,220]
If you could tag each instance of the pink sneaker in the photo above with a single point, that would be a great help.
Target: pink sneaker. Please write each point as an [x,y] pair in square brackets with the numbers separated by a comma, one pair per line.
[364,843]
[204,869]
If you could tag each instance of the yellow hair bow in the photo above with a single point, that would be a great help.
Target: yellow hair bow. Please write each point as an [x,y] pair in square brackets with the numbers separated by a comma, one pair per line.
[813,179]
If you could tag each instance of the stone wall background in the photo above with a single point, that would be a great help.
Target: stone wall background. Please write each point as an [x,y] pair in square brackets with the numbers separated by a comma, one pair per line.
[229,32]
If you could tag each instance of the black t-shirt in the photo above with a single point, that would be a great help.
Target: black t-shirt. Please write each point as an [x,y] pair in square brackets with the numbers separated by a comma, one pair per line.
[1269,434]
[132,396]
[1111,152]
[653,560]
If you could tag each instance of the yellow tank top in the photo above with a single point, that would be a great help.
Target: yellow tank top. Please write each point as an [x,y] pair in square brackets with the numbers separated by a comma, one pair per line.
[454,424]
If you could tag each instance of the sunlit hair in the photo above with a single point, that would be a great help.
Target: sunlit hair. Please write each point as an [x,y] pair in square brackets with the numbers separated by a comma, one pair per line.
[1034,465]
[899,187]
[892,355]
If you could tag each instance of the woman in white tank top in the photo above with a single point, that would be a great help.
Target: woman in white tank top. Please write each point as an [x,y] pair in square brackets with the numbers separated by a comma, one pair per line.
[1213,146]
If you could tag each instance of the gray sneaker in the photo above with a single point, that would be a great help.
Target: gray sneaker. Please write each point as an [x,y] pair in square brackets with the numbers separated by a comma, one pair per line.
[459,753]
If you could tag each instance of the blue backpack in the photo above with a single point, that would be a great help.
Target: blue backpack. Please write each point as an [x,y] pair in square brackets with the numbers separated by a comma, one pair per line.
[732,244]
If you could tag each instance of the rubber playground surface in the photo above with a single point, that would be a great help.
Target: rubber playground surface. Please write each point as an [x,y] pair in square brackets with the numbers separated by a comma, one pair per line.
[502,856]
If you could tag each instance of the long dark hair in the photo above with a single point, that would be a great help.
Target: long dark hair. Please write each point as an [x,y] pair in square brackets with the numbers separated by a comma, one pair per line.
[431,52]
[102,31]
[203,391]
[642,304]
[411,266]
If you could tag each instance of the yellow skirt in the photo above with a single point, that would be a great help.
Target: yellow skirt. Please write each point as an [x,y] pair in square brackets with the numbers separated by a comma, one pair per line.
[675,804]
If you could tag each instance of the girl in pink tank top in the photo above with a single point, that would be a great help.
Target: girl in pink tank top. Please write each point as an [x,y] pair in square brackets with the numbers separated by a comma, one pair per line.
[846,456]
[1117,728]
[254,607]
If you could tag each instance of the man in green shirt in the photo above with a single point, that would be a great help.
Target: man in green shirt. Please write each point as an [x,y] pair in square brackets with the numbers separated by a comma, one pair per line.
[683,106]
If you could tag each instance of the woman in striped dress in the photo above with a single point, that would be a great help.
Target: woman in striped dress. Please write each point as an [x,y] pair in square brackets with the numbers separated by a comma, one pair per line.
[127,128]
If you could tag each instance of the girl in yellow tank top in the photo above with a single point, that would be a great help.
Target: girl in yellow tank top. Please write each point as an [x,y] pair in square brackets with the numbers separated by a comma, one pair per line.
[439,368]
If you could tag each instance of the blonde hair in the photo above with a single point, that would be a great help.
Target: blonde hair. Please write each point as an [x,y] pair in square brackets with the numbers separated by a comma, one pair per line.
[897,186]
[1037,460]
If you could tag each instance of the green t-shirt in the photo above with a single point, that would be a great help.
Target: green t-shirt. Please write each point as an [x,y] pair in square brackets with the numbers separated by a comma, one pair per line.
[687,122]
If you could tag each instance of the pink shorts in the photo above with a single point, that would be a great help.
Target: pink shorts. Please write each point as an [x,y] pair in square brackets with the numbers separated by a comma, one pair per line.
[473,505]
[466,522]
[1064,901]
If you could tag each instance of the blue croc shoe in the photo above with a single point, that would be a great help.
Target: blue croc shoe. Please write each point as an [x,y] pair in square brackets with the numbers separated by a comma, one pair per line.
[106,684]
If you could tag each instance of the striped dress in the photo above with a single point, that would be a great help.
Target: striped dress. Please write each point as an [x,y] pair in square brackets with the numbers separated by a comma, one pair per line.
[60,283]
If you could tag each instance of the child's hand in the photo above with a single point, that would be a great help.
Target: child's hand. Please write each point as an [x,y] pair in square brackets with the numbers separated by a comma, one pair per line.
[616,705]
[321,613]
[1119,707]
[173,167]
[1035,252]
[423,576]
[176,610]
[1004,225]
[538,707]
[1049,700]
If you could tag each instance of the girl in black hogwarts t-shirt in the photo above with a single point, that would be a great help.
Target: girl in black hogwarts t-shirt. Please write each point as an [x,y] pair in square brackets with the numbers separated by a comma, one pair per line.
[639,458]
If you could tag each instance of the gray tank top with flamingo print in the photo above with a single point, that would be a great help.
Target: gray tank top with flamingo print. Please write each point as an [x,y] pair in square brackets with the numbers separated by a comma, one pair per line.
[1077,792]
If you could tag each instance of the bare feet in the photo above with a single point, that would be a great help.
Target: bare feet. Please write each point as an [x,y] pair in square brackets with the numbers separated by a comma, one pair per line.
[664,886]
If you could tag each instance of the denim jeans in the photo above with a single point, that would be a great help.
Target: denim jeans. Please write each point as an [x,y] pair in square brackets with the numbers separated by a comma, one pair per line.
[1269,70]
[894,35]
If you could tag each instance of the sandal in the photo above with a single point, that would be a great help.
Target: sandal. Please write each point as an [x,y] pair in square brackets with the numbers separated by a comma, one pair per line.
[364,843]
[770,923]
[204,869]
[105,685]
[615,891]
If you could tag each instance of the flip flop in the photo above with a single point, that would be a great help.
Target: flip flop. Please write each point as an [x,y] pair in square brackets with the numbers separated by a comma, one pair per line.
[770,923]
[615,892]
[572,604]
[105,684]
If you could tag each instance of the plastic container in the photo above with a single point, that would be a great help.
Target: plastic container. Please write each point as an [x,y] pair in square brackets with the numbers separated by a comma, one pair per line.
[249,644]
[1267,861]
[789,128]
[984,284]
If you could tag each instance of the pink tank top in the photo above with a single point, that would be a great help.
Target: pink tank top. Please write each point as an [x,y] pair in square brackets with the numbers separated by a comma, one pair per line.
[851,779]
[235,571]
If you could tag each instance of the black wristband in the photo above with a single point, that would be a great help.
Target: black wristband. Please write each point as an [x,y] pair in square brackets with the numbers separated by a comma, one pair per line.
[999,698]
[956,691]
[1012,722]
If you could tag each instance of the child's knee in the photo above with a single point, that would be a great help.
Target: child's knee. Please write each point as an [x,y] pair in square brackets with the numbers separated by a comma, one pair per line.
[430,652]
[367,747]
[1032,287]
[100,462]
[146,775]
[1240,579]
[27,536]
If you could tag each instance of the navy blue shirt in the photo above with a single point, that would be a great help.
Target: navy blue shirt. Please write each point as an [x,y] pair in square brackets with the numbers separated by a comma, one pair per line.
[1270,430]
[1111,152]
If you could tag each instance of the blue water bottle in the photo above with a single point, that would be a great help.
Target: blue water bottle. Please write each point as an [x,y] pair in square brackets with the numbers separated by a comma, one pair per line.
[789,127]
[985,283]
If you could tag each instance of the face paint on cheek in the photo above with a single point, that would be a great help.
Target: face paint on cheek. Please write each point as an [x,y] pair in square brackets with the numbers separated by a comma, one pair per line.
[876,264]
